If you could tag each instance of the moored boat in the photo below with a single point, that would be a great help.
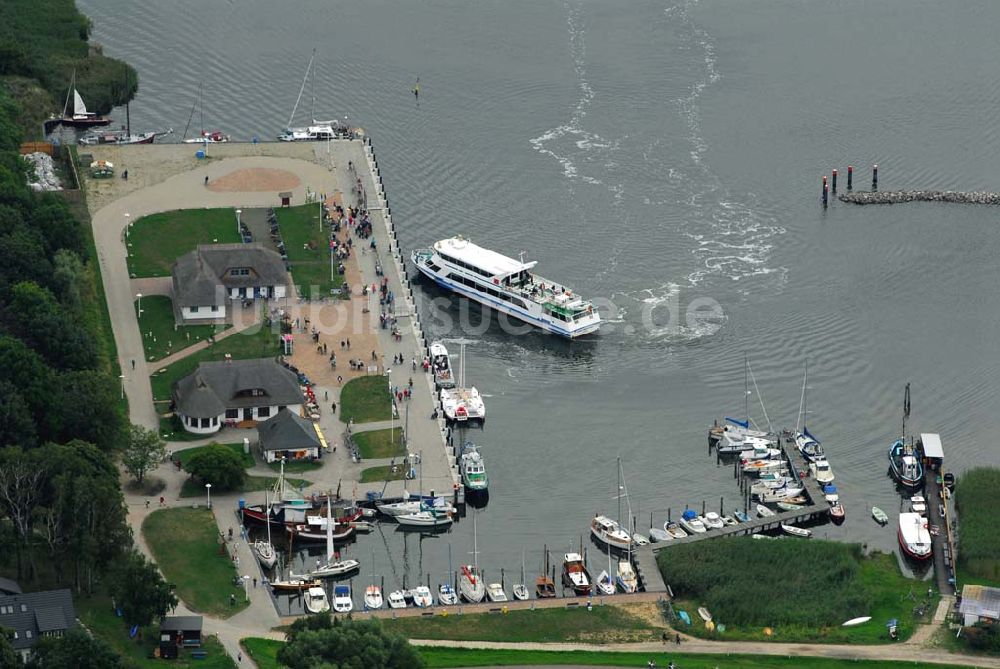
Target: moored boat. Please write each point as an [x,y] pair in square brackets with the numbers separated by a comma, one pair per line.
[674,530]
[905,465]
[713,521]
[764,512]
[914,536]
[440,362]
[79,116]
[821,471]
[373,597]
[472,468]
[470,584]
[575,575]
[294,584]
[430,518]
[117,138]
[656,535]
[342,601]
[796,531]
[397,599]
[837,513]
[422,597]
[495,593]
[692,523]
[605,584]
[506,285]
[880,516]
[609,532]
[626,578]
[788,506]
[447,595]
[315,600]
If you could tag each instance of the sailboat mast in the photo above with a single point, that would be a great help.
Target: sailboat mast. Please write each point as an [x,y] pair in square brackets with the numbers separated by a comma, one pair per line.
[805,398]
[906,410]
[201,109]
[329,530]
[69,93]
[619,491]
[746,387]
[302,89]
[475,545]
[267,517]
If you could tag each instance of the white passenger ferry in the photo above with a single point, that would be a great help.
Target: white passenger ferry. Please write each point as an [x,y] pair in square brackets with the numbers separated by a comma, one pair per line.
[507,285]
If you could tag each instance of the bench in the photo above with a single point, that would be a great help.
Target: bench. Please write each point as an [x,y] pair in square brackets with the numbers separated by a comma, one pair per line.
[199,654]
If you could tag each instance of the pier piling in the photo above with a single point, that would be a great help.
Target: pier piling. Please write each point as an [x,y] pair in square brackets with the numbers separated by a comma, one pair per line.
[835,181]
[850,177]
[875,177]
[826,192]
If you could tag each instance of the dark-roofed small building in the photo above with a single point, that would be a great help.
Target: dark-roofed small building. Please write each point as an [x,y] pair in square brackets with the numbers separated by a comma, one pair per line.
[208,278]
[179,632]
[234,391]
[288,436]
[32,615]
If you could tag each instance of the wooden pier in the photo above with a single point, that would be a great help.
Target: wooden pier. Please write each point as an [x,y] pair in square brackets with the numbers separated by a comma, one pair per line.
[650,579]
[815,510]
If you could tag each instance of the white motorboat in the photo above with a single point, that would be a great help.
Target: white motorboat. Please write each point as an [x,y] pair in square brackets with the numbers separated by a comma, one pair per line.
[335,568]
[414,504]
[605,584]
[821,471]
[470,584]
[713,521]
[397,599]
[674,530]
[495,593]
[342,601]
[461,405]
[764,512]
[759,450]
[780,494]
[472,469]
[373,597]
[447,595]
[315,600]
[506,285]
[692,523]
[796,531]
[440,361]
[918,504]
[422,597]
[729,521]
[830,494]
[771,484]
[914,536]
[626,578]
[656,535]
[609,532]
[761,467]
[425,519]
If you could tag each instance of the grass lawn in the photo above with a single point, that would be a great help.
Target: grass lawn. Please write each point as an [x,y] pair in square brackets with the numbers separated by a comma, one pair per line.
[98,616]
[605,624]
[172,430]
[193,487]
[159,336]
[158,240]
[979,558]
[237,448]
[307,244]
[264,652]
[365,399]
[382,473]
[255,342]
[294,466]
[380,443]
[185,543]
[890,595]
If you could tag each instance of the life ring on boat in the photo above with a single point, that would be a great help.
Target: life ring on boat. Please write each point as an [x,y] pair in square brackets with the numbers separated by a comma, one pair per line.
[590,310]
[496,282]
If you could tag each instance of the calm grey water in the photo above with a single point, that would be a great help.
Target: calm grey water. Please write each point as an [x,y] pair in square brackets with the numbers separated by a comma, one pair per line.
[652,154]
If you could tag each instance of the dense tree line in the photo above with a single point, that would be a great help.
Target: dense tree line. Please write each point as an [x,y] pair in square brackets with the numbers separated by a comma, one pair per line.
[47,41]
[322,642]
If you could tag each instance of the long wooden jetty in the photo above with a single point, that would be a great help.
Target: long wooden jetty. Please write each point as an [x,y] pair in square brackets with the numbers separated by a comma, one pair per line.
[815,510]
[903,196]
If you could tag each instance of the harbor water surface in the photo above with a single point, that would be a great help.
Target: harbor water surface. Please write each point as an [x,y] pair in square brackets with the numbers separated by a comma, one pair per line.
[655,156]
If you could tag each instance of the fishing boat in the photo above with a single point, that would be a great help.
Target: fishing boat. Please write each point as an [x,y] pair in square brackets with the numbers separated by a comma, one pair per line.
[674,530]
[447,595]
[605,584]
[544,586]
[342,601]
[626,578]
[373,597]
[788,506]
[430,518]
[470,580]
[692,523]
[914,536]
[906,460]
[315,600]
[397,599]
[520,590]
[837,513]
[713,521]
[575,575]
[422,597]
[764,512]
[880,516]
[791,530]
[495,593]
[79,116]
[506,285]
[472,468]
[459,403]
[441,366]
[821,471]
[609,532]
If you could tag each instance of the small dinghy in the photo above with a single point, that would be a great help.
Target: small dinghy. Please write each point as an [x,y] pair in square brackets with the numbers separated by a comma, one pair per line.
[879,515]
[764,512]
[639,539]
[683,615]
[657,535]
[856,621]
[674,530]
[704,614]
[837,513]
[796,531]
[788,506]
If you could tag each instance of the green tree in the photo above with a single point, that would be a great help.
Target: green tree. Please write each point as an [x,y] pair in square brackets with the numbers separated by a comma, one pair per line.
[88,409]
[8,657]
[17,425]
[74,649]
[140,591]
[144,450]
[218,465]
[319,643]
[37,318]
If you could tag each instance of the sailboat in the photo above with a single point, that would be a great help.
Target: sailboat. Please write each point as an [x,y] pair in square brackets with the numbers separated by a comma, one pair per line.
[205,137]
[611,532]
[626,577]
[731,437]
[461,404]
[520,589]
[264,550]
[427,515]
[544,586]
[446,593]
[807,444]
[605,583]
[80,117]
[319,130]
[121,137]
[333,567]
[470,581]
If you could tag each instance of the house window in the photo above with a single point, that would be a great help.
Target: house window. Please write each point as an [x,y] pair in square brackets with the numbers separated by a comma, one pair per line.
[263,412]
[24,608]
[232,413]
[194,310]
[214,309]
[215,421]
[27,634]
[281,407]
[15,635]
[204,422]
